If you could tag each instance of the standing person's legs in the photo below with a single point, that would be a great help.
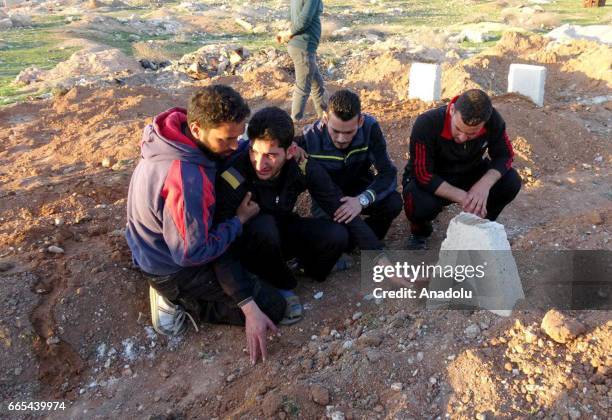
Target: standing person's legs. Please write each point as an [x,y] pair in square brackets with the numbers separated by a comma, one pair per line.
[318,86]
[306,74]
[381,214]
[318,243]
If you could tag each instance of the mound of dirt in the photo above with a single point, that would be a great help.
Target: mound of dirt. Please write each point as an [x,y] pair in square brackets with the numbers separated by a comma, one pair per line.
[577,63]
[84,66]
[387,73]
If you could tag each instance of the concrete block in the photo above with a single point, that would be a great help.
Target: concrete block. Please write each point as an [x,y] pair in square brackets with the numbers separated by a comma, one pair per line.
[425,82]
[527,80]
[472,241]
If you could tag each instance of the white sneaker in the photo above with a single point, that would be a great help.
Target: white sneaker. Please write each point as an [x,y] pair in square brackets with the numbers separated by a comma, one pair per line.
[168,318]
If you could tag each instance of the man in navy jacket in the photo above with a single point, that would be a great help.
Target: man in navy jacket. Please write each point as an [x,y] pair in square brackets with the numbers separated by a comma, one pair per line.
[351,147]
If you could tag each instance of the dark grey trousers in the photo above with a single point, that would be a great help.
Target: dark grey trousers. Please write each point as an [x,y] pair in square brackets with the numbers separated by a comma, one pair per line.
[308,81]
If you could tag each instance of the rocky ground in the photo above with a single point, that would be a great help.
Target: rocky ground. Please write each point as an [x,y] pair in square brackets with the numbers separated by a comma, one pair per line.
[76,324]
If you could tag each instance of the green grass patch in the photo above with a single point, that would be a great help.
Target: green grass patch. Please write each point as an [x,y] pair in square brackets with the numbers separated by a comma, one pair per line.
[26,47]
[571,11]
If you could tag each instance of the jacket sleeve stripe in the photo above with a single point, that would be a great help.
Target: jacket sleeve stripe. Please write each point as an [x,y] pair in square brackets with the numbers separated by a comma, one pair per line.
[510,150]
[421,171]
[172,192]
[208,201]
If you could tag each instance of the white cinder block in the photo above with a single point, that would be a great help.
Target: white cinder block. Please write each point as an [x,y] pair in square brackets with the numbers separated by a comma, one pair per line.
[472,241]
[425,82]
[527,80]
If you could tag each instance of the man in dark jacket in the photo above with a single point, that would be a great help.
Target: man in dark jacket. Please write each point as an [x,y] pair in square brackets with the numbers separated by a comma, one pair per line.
[351,147]
[170,230]
[267,169]
[303,40]
[447,164]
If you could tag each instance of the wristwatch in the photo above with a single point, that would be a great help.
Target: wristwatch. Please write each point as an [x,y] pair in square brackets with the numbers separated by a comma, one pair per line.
[364,200]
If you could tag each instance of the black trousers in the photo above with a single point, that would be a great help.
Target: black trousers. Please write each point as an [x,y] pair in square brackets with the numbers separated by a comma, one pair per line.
[199,291]
[268,241]
[379,215]
[422,206]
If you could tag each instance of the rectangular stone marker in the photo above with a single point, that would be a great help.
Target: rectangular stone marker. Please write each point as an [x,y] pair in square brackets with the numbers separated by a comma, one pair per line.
[527,80]
[425,82]
[472,241]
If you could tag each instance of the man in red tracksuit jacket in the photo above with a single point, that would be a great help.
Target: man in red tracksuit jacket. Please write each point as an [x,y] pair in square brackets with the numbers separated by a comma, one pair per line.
[448,165]
[170,230]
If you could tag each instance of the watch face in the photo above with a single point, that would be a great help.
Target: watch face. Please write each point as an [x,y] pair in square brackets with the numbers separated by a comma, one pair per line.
[363,200]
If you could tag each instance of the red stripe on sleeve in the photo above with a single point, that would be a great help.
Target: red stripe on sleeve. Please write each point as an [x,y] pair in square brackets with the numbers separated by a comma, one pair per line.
[408,205]
[424,176]
[510,149]
[172,192]
[208,200]
[417,165]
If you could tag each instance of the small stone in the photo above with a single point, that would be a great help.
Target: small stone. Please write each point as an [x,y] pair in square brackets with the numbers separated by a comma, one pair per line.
[6,266]
[52,340]
[319,394]
[574,413]
[347,345]
[373,355]
[337,415]
[397,386]
[18,371]
[420,356]
[106,162]
[508,366]
[530,337]
[595,218]
[370,339]
[58,221]
[318,295]
[433,380]
[472,331]
[561,328]
[357,315]
[230,378]
[55,249]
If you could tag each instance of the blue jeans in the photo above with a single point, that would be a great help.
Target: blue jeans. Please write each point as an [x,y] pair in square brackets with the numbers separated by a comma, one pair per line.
[307,80]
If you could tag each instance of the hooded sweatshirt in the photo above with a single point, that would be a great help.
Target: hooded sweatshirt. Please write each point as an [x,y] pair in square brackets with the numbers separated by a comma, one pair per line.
[171,204]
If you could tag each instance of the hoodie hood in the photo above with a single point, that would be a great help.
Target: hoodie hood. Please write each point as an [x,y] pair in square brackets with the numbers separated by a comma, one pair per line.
[165,140]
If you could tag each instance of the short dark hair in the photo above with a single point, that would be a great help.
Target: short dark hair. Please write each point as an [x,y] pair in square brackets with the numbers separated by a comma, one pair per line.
[214,105]
[271,124]
[474,106]
[345,104]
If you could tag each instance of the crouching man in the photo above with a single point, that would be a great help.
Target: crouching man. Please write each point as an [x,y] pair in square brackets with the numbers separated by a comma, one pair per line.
[448,164]
[170,230]
[268,169]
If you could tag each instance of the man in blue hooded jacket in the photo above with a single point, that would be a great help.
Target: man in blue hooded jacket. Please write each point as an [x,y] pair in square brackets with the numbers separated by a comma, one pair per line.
[170,230]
